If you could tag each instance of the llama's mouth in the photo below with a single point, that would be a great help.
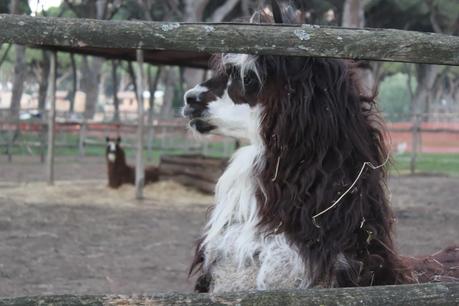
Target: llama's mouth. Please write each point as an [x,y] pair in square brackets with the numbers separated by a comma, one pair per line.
[111,157]
[201,125]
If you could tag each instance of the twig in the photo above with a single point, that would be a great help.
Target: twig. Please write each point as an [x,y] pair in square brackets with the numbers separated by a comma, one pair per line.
[369,164]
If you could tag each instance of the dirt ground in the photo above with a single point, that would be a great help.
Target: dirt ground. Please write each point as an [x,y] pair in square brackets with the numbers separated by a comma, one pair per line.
[81,237]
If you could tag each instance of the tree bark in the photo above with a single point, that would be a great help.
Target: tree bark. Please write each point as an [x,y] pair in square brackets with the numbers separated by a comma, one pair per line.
[419,294]
[139,165]
[152,86]
[353,14]
[19,69]
[18,81]
[116,101]
[42,92]
[292,40]
[51,119]
[426,75]
[170,81]
[73,91]
[5,54]
[353,17]
[89,83]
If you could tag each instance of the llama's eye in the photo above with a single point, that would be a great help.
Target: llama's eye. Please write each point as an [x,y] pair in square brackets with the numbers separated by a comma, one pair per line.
[251,82]
[231,71]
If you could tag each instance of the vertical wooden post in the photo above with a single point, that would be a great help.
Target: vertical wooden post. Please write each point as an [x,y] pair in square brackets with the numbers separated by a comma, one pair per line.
[42,138]
[152,85]
[415,137]
[51,120]
[139,166]
[81,140]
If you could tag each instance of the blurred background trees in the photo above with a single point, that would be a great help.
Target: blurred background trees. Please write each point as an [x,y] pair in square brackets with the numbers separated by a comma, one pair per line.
[404,89]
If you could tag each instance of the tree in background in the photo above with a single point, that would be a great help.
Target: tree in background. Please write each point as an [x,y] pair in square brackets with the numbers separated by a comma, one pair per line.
[18,7]
[91,66]
[438,86]
[420,15]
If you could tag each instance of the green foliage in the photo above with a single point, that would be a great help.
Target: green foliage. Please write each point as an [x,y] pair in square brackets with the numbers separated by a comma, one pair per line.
[439,163]
[394,97]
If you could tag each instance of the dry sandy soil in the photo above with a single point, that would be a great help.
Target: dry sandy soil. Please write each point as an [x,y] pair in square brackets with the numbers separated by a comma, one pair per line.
[81,237]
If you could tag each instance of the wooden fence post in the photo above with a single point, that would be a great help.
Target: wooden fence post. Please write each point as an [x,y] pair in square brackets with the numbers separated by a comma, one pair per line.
[139,165]
[414,142]
[51,121]
[42,136]
[81,140]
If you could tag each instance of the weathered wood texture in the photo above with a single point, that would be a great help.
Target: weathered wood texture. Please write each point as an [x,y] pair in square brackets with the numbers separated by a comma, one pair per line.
[195,171]
[304,40]
[51,120]
[422,294]
[139,163]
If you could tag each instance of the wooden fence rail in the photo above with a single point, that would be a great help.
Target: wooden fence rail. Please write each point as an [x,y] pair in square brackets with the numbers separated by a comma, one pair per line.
[443,294]
[298,40]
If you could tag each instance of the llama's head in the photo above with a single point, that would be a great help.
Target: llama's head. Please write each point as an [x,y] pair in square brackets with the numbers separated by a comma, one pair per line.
[112,149]
[244,89]
[228,103]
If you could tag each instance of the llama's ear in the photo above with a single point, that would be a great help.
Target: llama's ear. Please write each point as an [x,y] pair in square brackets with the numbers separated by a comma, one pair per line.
[107,139]
[118,140]
[277,14]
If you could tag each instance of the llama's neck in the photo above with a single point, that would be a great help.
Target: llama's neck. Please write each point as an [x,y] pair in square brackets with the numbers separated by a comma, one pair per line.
[235,194]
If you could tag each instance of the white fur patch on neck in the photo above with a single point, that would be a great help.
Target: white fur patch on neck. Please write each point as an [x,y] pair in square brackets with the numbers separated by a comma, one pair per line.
[237,254]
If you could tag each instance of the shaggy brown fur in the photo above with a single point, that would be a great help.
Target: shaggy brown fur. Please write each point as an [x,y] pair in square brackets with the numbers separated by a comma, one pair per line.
[318,131]
[119,172]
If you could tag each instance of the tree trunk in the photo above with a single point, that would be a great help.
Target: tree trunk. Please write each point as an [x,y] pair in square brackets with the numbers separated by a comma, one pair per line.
[353,17]
[42,92]
[19,70]
[170,80]
[5,54]
[220,13]
[426,75]
[89,83]
[18,81]
[353,14]
[74,84]
[133,79]
[152,86]
[139,165]
[116,102]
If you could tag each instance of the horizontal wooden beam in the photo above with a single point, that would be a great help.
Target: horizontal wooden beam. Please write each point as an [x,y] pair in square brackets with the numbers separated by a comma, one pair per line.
[419,294]
[297,40]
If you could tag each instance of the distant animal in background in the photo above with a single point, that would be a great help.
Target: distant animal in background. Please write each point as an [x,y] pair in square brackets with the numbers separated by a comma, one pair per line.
[119,172]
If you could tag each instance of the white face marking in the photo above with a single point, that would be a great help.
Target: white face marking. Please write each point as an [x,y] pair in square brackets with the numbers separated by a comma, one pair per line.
[111,157]
[230,119]
[234,120]
[111,151]
[193,92]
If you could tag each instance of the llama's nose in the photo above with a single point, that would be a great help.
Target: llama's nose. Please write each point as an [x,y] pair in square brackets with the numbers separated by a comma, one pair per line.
[192,97]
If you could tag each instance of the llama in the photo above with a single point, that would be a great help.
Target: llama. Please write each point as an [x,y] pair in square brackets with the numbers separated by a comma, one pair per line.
[119,172]
[304,204]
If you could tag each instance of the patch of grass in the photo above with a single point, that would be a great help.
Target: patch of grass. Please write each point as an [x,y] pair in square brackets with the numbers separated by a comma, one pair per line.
[437,163]
[447,163]
[71,149]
